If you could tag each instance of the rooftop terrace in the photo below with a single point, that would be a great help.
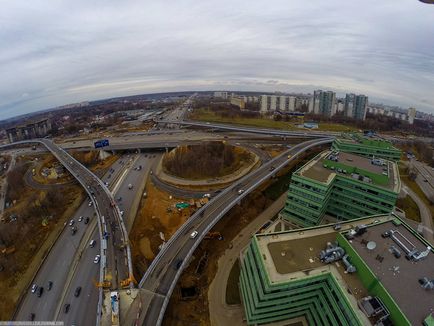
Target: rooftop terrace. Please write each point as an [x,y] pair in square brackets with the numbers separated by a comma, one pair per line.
[327,165]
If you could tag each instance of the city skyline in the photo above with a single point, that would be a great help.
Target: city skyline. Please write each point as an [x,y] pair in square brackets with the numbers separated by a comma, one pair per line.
[54,55]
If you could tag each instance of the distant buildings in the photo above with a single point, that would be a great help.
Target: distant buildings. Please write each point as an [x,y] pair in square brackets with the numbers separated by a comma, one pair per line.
[223,95]
[272,103]
[324,103]
[411,115]
[238,101]
[355,106]
[30,130]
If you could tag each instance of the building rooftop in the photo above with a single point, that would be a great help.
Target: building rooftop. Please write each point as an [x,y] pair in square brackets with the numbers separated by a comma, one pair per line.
[399,276]
[328,164]
[372,142]
[293,255]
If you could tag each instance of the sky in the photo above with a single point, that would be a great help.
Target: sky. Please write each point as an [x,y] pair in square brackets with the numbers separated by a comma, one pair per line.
[59,52]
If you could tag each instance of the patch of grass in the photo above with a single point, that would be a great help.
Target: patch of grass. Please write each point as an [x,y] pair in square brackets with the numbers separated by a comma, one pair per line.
[275,190]
[414,186]
[232,291]
[409,206]
[208,115]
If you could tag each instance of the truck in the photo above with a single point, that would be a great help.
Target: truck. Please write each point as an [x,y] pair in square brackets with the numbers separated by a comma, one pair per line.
[114,302]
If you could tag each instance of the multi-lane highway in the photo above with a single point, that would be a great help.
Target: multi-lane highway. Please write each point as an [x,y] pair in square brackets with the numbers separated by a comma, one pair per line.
[115,264]
[161,277]
[85,274]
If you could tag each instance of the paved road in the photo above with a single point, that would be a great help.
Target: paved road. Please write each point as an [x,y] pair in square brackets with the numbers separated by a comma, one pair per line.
[253,130]
[219,312]
[161,277]
[425,215]
[425,178]
[115,264]
[83,308]
[61,256]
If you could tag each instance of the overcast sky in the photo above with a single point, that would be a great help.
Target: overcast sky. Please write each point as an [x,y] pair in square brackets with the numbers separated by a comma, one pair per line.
[59,52]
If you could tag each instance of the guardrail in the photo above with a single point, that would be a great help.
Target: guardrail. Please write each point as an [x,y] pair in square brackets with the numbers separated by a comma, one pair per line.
[222,213]
[101,221]
[193,218]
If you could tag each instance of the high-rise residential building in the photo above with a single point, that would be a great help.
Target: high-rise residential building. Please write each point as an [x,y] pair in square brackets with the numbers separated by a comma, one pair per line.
[375,270]
[356,106]
[343,186]
[324,102]
[349,105]
[223,95]
[30,130]
[272,103]
[411,115]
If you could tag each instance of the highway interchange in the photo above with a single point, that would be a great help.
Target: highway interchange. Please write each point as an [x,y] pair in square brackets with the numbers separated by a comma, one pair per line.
[73,258]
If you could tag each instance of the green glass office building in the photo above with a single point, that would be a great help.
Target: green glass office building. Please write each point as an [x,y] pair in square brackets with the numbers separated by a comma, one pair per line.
[341,186]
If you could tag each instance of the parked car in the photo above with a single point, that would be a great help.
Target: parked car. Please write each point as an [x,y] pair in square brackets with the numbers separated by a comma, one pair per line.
[80,218]
[97,259]
[71,222]
[40,291]
[86,220]
[34,288]
[66,308]
[92,243]
[50,285]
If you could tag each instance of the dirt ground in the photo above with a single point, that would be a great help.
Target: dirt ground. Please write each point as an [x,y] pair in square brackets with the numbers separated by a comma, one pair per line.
[30,239]
[195,311]
[156,214]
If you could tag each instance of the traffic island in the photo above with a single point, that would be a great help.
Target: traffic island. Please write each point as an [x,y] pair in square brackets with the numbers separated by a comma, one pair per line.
[207,166]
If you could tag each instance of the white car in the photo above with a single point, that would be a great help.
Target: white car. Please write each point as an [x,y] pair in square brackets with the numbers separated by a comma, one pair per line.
[90,204]
[34,288]
[194,234]
[122,213]
[97,258]
[80,218]
[240,191]
[71,223]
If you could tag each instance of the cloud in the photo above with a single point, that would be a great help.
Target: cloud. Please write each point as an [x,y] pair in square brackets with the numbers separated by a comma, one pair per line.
[63,52]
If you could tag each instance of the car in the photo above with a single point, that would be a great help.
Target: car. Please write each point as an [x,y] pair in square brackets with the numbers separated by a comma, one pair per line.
[272,168]
[119,198]
[80,218]
[86,220]
[122,213]
[177,264]
[77,291]
[106,184]
[32,316]
[240,191]
[97,259]
[50,285]
[92,243]
[73,230]
[90,204]
[66,308]
[71,223]
[40,291]
[34,288]
[193,234]
[207,196]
